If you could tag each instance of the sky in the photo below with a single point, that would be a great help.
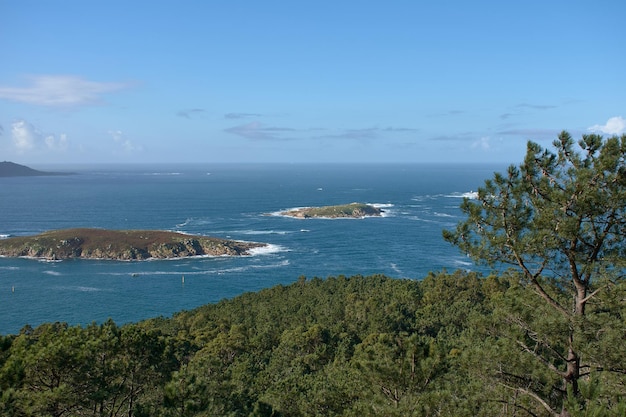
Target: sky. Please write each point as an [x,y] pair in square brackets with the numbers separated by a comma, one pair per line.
[305,81]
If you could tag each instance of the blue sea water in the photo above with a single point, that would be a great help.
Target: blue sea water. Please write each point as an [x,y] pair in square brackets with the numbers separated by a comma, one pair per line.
[229,201]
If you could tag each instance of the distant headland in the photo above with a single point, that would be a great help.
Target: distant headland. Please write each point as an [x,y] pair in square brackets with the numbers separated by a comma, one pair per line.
[11,169]
[120,245]
[352,210]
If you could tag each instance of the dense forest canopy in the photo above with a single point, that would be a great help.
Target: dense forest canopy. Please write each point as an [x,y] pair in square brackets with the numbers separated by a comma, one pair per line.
[541,338]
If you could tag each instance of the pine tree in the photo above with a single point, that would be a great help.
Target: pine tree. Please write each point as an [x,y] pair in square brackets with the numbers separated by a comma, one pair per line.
[560,220]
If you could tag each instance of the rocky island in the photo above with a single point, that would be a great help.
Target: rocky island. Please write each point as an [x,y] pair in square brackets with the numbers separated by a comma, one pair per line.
[11,169]
[120,245]
[352,210]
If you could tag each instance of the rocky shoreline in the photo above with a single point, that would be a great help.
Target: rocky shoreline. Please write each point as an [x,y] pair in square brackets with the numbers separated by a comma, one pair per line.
[124,245]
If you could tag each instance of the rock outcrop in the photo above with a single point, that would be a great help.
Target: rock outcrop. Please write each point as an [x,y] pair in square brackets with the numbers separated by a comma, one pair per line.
[120,245]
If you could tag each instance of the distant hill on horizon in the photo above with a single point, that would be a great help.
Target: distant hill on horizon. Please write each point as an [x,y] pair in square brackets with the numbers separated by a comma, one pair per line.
[11,169]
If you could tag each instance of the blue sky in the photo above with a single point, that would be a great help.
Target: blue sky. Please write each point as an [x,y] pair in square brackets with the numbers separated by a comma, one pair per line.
[323,81]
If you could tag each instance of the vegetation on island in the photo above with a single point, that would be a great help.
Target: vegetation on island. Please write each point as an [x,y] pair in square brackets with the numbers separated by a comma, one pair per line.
[352,210]
[120,245]
[541,337]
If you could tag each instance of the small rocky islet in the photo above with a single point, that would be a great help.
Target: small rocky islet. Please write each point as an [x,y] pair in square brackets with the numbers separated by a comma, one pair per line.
[85,243]
[352,210]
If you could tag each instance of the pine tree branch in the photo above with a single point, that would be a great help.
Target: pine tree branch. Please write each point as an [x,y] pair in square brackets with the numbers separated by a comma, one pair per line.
[535,397]
[542,292]
[613,370]
[593,294]
[541,358]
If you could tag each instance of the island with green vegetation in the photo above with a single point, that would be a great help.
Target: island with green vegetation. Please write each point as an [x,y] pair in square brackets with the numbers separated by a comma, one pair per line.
[120,245]
[352,210]
[11,169]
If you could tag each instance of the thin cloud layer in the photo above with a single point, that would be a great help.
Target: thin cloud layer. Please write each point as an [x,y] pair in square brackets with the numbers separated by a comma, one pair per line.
[357,134]
[521,107]
[614,126]
[535,106]
[259,131]
[531,133]
[189,113]
[240,115]
[60,91]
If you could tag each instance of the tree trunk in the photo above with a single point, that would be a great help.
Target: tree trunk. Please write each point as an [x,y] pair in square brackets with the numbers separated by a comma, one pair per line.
[572,373]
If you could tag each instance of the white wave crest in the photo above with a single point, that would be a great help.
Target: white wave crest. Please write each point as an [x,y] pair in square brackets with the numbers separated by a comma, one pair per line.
[279,213]
[80,288]
[463,263]
[201,272]
[386,209]
[267,250]
[472,195]
[164,173]
[395,268]
[261,232]
[194,222]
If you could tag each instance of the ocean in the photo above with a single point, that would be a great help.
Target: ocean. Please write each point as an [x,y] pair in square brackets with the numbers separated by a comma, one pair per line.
[228,201]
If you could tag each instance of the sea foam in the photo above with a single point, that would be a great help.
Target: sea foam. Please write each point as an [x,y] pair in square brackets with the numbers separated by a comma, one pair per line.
[267,250]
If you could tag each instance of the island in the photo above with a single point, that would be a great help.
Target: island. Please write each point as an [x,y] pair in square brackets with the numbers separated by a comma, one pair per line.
[88,243]
[11,169]
[352,210]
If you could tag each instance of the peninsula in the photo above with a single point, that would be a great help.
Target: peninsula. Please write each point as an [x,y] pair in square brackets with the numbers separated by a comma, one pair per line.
[352,210]
[11,169]
[120,245]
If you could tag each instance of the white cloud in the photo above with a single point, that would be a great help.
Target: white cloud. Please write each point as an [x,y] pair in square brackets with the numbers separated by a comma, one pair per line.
[482,143]
[59,91]
[27,137]
[123,142]
[24,136]
[59,143]
[614,126]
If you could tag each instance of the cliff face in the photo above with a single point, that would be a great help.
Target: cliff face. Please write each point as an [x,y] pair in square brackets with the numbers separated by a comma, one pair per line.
[352,210]
[120,245]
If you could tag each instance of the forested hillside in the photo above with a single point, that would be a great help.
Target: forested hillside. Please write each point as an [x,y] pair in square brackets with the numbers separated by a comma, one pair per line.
[365,346]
